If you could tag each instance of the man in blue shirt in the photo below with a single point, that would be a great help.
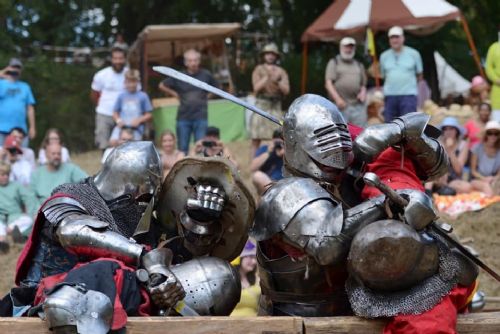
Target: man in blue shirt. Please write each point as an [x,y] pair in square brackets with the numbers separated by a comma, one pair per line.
[267,165]
[401,66]
[16,103]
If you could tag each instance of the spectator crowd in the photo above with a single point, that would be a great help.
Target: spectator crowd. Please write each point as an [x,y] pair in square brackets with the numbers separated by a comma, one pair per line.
[25,183]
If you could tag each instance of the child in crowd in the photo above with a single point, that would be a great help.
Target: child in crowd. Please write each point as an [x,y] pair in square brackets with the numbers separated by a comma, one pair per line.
[169,154]
[13,220]
[132,108]
[375,108]
[250,288]
[126,134]
[52,135]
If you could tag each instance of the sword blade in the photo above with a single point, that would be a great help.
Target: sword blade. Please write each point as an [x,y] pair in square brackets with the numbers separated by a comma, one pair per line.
[464,251]
[209,88]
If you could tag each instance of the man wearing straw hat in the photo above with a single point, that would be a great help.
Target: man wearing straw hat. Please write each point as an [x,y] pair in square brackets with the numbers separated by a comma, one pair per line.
[270,85]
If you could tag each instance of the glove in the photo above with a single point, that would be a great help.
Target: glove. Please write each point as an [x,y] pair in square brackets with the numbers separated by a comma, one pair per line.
[162,285]
[206,203]
[165,291]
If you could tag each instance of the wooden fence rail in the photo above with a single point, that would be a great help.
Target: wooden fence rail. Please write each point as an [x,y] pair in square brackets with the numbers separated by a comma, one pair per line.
[476,323]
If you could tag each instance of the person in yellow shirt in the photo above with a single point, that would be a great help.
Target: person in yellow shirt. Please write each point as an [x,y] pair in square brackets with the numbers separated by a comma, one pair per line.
[250,288]
[493,74]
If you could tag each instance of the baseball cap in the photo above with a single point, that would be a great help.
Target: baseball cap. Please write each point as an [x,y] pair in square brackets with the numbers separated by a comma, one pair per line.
[11,142]
[14,62]
[347,41]
[492,125]
[395,31]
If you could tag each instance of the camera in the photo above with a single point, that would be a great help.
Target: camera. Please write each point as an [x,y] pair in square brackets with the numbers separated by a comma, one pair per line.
[12,73]
[13,150]
[208,143]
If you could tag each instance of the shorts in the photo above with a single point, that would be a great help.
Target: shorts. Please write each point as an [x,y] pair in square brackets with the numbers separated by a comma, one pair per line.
[103,126]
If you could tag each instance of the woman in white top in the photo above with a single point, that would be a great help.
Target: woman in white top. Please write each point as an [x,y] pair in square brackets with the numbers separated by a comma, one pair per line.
[169,154]
[52,135]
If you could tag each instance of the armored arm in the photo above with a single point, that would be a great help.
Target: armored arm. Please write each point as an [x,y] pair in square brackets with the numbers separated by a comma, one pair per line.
[89,237]
[408,132]
[84,235]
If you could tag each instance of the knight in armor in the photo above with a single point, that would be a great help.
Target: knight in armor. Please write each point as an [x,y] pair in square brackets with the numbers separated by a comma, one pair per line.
[88,262]
[305,223]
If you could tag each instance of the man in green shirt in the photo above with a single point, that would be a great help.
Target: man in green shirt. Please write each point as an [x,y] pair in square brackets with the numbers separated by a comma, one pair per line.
[54,173]
[13,198]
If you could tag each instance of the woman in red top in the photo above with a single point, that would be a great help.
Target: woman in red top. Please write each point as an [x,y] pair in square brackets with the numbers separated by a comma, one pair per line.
[475,126]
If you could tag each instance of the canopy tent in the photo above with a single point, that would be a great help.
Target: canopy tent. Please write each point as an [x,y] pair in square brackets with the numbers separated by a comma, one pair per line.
[450,81]
[353,17]
[162,44]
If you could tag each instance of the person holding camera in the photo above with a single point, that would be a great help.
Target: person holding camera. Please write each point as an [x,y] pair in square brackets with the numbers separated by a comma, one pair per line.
[212,146]
[11,154]
[267,165]
[16,103]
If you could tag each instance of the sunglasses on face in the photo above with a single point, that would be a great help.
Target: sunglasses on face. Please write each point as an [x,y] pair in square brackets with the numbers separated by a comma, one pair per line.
[493,133]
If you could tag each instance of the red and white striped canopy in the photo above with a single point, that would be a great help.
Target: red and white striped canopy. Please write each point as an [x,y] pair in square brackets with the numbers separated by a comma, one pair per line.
[352,17]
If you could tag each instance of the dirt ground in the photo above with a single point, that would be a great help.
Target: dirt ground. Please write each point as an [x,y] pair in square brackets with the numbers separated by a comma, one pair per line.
[478,229]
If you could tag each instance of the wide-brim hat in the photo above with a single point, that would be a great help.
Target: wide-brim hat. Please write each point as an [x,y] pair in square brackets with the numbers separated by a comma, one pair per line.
[270,48]
[492,125]
[453,122]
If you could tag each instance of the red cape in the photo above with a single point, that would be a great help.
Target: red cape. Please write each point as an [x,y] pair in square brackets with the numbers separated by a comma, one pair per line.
[24,260]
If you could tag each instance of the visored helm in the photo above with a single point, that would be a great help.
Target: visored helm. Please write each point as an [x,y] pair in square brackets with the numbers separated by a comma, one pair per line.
[317,141]
[132,170]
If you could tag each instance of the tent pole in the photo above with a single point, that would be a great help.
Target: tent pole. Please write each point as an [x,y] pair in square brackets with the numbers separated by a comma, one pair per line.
[304,68]
[376,70]
[145,74]
[472,46]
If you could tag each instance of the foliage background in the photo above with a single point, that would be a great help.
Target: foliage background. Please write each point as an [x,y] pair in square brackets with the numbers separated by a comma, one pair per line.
[62,90]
